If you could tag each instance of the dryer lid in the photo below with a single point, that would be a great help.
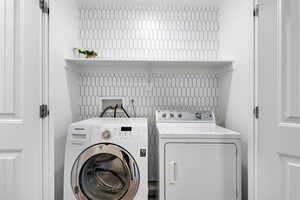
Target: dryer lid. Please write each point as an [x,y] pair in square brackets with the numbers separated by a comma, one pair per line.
[195,130]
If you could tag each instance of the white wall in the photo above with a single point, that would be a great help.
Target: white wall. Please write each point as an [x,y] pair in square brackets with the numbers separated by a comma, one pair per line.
[63,36]
[155,2]
[236,43]
[147,32]
[167,91]
[155,32]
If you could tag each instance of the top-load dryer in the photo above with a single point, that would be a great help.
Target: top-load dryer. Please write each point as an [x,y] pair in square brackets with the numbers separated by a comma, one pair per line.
[197,158]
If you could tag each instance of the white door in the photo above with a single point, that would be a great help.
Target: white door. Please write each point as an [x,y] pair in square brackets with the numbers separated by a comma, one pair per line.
[200,171]
[20,96]
[278,136]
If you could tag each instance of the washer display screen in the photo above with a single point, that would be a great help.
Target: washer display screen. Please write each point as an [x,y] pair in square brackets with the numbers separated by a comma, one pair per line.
[126,128]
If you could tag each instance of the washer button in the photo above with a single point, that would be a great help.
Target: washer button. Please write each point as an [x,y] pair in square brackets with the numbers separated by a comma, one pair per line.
[143,152]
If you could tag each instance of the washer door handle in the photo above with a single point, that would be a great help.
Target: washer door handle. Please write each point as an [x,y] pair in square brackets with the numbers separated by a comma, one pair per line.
[172,171]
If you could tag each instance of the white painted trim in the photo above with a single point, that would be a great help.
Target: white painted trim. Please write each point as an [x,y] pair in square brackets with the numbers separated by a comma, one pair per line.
[47,124]
[284,117]
[12,122]
[252,127]
[10,59]
[291,125]
[278,62]
[284,120]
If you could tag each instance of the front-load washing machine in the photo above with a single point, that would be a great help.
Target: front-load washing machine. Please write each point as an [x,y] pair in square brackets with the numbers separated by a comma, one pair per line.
[197,158]
[106,159]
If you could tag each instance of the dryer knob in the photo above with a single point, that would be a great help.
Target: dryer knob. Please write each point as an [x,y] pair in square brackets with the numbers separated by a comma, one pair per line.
[106,134]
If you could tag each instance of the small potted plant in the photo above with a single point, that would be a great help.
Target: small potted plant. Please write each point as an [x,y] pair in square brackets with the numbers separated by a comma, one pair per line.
[87,53]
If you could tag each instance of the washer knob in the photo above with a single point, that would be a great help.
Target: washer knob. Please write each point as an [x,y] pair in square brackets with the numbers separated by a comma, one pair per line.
[106,134]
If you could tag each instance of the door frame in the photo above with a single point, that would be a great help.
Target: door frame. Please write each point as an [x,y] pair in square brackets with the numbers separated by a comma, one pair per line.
[252,126]
[47,123]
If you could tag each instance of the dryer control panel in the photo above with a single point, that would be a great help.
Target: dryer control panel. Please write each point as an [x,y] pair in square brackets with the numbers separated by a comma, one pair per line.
[177,116]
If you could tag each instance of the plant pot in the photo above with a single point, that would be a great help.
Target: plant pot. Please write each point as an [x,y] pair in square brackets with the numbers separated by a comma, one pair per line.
[91,56]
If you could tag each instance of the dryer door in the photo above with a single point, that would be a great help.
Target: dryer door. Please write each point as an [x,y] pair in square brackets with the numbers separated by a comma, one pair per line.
[201,171]
[105,171]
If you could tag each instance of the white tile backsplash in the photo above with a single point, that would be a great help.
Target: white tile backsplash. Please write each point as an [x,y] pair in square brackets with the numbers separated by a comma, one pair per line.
[137,32]
[167,91]
[150,32]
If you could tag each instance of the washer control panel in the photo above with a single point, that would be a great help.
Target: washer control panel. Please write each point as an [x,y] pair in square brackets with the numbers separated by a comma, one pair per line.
[175,116]
[122,132]
[127,132]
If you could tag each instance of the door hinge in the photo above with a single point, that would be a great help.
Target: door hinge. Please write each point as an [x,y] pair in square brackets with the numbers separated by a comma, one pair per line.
[256,11]
[256,112]
[44,6]
[44,111]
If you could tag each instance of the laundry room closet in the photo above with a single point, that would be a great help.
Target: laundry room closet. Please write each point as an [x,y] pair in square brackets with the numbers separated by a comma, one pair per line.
[151,55]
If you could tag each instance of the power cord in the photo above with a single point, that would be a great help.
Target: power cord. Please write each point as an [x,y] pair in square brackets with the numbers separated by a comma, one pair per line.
[105,110]
[115,110]
[133,108]
[125,111]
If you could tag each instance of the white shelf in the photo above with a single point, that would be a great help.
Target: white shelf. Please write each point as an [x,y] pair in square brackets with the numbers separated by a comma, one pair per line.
[150,66]
[83,62]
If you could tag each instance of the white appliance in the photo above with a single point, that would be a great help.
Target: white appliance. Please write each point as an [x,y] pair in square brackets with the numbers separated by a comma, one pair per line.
[106,158]
[197,158]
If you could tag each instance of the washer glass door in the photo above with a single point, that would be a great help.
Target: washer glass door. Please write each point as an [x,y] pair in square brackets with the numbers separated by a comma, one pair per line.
[105,171]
